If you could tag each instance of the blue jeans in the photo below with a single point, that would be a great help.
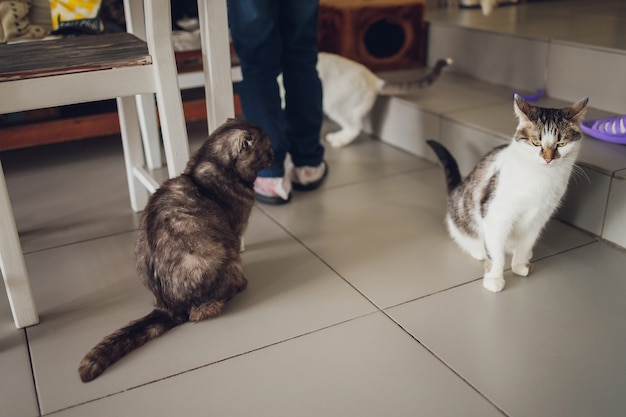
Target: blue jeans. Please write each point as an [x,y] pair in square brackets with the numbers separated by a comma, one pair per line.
[270,37]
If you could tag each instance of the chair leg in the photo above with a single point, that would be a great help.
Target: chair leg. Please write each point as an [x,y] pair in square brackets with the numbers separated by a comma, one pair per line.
[133,151]
[135,18]
[216,62]
[169,101]
[172,118]
[173,130]
[149,130]
[12,265]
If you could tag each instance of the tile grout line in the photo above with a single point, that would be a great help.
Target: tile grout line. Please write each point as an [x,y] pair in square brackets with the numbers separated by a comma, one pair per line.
[321,260]
[439,359]
[91,239]
[32,372]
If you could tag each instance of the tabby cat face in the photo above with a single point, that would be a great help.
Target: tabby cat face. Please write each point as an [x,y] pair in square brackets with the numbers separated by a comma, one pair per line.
[551,134]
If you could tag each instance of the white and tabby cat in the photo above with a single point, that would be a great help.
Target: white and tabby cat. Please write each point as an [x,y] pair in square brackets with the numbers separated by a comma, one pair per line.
[350,90]
[505,202]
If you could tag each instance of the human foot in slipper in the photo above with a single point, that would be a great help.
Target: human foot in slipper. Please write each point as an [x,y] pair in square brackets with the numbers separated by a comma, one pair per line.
[610,129]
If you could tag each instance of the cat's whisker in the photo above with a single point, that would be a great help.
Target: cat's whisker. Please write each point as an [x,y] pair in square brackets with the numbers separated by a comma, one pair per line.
[578,173]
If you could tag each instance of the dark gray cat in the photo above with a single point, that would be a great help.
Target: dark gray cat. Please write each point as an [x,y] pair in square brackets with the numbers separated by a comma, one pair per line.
[187,249]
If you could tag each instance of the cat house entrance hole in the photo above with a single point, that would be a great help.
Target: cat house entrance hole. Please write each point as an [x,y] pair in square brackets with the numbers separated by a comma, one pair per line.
[383,35]
[384,38]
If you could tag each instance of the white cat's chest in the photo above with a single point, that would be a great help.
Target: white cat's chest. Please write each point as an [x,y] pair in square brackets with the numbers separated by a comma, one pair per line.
[530,184]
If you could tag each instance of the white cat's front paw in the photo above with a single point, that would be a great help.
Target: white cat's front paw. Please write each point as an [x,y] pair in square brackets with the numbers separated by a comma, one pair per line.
[493,284]
[521,269]
[340,138]
[335,142]
[478,255]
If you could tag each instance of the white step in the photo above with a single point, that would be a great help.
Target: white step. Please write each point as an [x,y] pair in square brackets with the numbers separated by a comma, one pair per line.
[569,49]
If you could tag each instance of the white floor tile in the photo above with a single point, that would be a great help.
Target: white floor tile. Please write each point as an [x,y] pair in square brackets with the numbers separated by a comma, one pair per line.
[549,345]
[306,337]
[17,390]
[366,367]
[54,206]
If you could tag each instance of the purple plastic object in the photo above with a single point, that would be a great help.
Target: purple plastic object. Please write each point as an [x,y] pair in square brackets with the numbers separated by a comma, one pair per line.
[538,94]
[610,129]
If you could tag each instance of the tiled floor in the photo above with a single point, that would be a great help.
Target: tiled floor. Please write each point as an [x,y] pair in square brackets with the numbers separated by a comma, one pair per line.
[358,305]
[358,302]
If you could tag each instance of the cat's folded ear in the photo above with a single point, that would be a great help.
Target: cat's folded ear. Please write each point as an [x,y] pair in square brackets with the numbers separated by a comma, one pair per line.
[524,111]
[243,143]
[577,110]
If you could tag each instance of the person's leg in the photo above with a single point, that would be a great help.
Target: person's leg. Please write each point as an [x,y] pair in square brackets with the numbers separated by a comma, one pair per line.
[303,98]
[257,40]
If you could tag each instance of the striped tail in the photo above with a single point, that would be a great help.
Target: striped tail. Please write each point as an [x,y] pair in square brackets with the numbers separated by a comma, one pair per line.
[451,168]
[389,88]
[120,343]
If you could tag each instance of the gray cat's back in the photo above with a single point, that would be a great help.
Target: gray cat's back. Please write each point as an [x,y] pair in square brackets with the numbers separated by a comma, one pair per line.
[184,236]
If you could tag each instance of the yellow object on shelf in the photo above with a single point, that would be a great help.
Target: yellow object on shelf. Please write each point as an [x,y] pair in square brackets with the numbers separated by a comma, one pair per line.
[71,12]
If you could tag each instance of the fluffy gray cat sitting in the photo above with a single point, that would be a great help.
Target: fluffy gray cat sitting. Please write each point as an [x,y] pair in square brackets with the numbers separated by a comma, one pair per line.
[505,202]
[188,246]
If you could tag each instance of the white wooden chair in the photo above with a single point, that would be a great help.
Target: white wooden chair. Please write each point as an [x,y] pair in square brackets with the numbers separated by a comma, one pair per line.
[216,78]
[89,68]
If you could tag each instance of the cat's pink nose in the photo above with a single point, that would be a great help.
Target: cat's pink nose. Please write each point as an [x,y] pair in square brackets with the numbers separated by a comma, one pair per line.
[548,155]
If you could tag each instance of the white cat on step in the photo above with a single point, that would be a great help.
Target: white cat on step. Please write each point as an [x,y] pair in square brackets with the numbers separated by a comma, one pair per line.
[350,90]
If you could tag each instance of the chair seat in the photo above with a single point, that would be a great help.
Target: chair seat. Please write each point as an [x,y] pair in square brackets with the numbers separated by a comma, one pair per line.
[72,54]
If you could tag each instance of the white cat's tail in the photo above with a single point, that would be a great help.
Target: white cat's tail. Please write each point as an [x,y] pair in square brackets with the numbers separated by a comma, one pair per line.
[389,88]
[450,166]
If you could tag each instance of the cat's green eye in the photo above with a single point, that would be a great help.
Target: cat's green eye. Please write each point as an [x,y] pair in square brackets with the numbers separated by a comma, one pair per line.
[561,144]
[536,142]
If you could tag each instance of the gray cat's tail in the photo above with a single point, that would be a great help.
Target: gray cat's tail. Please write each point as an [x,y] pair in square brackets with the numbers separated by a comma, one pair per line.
[389,88]
[451,168]
[120,343]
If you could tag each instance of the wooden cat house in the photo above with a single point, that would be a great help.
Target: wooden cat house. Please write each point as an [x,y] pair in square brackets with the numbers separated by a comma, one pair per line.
[380,34]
